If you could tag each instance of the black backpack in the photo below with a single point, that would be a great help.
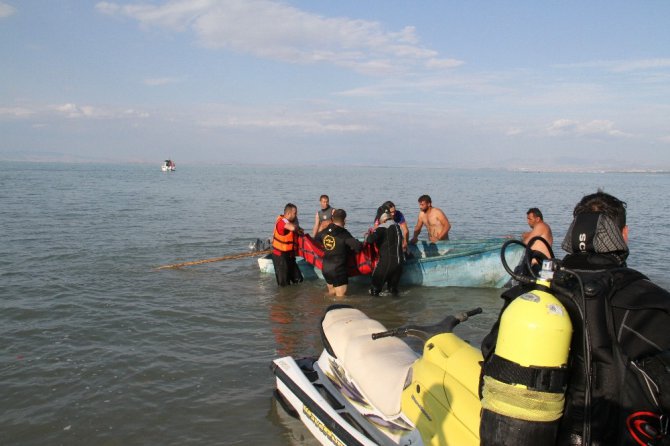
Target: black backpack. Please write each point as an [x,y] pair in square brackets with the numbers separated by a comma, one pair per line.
[628,342]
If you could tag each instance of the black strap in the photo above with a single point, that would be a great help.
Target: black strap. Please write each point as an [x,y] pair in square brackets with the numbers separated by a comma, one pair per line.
[541,379]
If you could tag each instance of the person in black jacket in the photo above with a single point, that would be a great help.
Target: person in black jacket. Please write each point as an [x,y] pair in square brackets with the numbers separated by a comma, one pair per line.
[389,238]
[618,384]
[338,243]
[621,393]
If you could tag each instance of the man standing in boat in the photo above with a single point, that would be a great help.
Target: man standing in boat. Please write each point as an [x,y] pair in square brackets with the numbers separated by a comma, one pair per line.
[324,216]
[434,219]
[284,242]
[338,243]
[538,228]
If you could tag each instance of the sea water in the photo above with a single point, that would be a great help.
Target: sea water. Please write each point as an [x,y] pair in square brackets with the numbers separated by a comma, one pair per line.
[97,347]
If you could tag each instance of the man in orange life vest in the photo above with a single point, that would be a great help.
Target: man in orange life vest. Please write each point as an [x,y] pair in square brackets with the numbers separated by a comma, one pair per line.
[284,241]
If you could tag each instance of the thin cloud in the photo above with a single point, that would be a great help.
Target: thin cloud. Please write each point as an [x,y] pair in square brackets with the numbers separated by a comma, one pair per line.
[513,131]
[597,127]
[16,112]
[75,111]
[443,63]
[277,31]
[621,66]
[6,10]
[160,81]
[310,122]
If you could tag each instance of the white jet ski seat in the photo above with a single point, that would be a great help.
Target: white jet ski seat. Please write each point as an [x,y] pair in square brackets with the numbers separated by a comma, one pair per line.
[379,367]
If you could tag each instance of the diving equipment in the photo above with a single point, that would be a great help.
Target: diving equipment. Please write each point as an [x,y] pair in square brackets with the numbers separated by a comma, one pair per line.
[368,387]
[524,382]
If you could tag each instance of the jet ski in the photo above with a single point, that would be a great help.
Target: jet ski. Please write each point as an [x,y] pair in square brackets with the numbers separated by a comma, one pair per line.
[368,387]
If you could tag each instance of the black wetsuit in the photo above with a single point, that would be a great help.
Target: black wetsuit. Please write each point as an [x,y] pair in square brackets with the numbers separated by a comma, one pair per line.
[388,238]
[338,243]
[636,329]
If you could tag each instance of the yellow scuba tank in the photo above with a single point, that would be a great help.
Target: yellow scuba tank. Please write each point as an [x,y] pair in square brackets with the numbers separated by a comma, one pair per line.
[524,382]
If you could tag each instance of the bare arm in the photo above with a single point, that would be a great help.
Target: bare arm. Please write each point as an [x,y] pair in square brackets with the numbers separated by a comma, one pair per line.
[405,235]
[417,230]
[444,224]
[317,223]
[534,232]
[540,230]
[292,227]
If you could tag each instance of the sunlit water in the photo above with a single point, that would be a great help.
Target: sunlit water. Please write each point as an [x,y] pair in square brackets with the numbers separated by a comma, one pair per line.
[99,348]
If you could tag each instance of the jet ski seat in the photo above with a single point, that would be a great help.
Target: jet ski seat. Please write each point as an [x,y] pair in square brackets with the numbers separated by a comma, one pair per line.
[379,367]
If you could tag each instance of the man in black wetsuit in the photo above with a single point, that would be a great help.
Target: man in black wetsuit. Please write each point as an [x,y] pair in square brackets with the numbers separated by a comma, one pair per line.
[338,243]
[389,238]
[622,393]
[617,378]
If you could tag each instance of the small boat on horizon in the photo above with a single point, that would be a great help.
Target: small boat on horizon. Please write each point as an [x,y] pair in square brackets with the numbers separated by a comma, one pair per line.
[168,166]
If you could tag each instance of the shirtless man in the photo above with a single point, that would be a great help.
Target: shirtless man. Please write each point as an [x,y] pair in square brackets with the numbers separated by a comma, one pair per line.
[537,228]
[437,223]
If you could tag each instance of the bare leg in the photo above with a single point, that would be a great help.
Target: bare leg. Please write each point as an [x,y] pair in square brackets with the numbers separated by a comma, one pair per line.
[340,291]
[331,290]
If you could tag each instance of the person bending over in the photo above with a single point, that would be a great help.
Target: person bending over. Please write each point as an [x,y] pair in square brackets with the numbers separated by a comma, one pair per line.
[389,240]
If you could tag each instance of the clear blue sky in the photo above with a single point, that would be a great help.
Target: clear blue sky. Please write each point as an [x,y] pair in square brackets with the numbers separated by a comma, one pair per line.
[518,84]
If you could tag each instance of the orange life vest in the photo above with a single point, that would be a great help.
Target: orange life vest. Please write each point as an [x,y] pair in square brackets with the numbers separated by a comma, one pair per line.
[284,243]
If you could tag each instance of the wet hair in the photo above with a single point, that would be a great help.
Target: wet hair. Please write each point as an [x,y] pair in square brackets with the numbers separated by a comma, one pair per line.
[289,206]
[339,215]
[425,198]
[536,212]
[324,196]
[603,203]
[386,207]
[385,217]
[380,210]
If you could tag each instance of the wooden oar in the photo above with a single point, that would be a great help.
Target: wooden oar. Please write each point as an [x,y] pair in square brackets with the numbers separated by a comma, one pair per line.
[217,259]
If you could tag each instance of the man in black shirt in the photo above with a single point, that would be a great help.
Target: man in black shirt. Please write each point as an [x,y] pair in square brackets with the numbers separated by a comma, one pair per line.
[338,243]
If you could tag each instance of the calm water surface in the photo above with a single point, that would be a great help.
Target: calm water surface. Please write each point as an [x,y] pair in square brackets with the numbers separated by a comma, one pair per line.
[98,348]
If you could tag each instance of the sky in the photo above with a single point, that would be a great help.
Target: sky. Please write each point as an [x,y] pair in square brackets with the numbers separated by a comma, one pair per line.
[465,84]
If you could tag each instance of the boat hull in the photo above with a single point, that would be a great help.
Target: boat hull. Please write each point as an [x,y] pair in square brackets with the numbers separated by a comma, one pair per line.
[468,263]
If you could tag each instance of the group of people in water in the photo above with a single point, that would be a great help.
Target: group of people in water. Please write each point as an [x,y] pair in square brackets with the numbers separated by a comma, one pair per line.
[617,377]
[390,235]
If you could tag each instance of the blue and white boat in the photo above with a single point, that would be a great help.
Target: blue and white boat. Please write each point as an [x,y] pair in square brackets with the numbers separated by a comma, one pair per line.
[462,263]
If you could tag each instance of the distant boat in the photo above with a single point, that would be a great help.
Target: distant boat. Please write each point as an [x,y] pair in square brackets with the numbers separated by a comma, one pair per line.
[465,263]
[168,166]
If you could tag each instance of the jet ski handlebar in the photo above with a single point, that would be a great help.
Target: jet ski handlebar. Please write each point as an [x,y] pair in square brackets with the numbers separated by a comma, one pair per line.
[425,332]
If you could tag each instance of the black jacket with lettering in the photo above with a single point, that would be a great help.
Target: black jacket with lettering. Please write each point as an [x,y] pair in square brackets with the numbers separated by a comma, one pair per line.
[337,243]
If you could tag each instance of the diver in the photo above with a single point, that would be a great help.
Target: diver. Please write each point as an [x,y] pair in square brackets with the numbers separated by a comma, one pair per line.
[388,238]
[616,380]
